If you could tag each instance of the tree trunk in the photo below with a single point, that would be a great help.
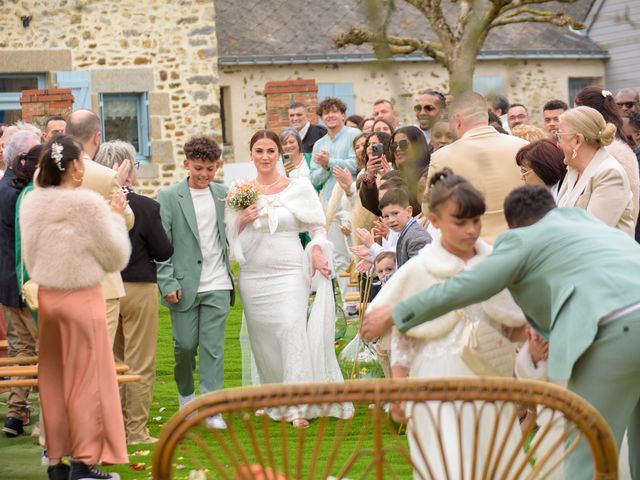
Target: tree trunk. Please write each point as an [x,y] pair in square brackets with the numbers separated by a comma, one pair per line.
[461,75]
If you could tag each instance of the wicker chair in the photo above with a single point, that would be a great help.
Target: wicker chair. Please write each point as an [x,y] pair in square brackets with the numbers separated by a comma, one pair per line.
[370,445]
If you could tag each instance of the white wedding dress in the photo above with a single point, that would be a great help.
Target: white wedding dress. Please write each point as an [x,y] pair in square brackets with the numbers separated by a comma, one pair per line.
[275,285]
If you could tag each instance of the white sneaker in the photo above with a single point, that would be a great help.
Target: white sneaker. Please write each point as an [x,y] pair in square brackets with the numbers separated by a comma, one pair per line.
[184,400]
[216,422]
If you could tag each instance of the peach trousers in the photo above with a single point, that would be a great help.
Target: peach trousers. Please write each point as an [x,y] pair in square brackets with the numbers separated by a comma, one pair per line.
[77,378]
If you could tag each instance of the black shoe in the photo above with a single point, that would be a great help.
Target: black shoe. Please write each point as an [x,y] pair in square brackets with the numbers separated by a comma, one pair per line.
[13,427]
[59,472]
[82,471]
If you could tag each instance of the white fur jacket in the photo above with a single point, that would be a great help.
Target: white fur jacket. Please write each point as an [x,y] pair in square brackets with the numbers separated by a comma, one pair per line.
[71,238]
[434,265]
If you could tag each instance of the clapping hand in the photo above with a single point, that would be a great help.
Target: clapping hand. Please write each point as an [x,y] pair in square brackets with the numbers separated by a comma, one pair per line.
[344,178]
[123,171]
[119,201]
[346,227]
[322,159]
[360,250]
[365,236]
[380,228]
[363,266]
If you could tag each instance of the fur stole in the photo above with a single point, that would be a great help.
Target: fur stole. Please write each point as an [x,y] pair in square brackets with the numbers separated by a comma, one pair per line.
[434,265]
[71,238]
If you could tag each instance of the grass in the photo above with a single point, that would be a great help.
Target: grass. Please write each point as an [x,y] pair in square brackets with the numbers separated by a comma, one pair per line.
[21,456]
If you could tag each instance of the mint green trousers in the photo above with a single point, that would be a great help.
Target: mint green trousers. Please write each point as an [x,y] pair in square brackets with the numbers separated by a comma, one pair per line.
[607,375]
[200,330]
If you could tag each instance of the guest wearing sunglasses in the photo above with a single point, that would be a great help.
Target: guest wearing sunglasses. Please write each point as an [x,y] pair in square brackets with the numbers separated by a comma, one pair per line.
[627,101]
[430,106]
[409,154]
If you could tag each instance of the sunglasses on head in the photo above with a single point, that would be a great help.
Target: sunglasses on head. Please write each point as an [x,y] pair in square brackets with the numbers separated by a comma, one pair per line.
[628,105]
[427,108]
[402,144]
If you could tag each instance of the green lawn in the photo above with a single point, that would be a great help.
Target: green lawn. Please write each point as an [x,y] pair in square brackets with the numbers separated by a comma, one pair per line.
[21,456]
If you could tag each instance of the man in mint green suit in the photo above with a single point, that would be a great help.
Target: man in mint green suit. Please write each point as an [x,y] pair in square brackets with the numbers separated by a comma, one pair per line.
[578,282]
[196,283]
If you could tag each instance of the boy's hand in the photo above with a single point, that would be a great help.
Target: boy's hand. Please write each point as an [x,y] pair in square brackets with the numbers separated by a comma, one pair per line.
[365,237]
[174,297]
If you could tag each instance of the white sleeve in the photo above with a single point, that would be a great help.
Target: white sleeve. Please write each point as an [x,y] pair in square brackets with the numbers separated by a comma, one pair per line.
[525,368]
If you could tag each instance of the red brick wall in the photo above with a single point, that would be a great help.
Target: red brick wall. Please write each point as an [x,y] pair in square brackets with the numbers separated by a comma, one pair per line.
[281,94]
[38,105]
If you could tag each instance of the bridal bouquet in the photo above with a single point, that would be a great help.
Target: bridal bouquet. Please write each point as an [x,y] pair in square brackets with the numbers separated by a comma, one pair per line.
[242,195]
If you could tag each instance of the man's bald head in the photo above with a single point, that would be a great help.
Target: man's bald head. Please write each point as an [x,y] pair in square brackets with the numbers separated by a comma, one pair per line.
[468,110]
[85,126]
[627,101]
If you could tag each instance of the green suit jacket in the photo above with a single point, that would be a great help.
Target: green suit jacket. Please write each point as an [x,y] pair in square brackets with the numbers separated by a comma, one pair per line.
[566,272]
[183,269]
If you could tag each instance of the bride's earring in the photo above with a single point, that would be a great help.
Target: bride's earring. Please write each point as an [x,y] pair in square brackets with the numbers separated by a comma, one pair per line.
[574,154]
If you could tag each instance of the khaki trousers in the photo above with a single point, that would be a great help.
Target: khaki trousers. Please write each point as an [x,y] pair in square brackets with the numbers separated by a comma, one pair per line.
[135,344]
[3,332]
[113,313]
[22,336]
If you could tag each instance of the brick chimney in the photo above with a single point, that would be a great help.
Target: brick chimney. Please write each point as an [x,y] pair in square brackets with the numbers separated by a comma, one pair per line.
[281,94]
[38,105]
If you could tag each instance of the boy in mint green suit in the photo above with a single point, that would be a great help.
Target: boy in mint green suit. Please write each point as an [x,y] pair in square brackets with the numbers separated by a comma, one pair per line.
[577,281]
[196,283]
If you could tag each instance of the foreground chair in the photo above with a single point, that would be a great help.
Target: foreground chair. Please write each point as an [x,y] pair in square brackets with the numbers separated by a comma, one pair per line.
[369,445]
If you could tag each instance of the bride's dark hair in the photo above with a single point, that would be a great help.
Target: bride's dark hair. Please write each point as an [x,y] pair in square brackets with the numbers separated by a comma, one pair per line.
[270,134]
[446,185]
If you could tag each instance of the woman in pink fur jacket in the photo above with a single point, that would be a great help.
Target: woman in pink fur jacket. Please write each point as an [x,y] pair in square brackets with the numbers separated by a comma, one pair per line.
[71,238]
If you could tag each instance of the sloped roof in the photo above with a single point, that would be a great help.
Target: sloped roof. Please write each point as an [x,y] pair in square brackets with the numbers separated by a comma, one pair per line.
[280,31]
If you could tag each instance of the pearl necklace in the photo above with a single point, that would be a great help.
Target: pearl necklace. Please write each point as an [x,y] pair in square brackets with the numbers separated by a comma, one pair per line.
[271,184]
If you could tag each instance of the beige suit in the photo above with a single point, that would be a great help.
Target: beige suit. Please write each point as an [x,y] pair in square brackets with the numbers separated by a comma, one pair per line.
[488,160]
[602,190]
[104,181]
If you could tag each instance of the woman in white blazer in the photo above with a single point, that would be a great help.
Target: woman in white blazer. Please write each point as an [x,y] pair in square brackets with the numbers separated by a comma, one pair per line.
[595,181]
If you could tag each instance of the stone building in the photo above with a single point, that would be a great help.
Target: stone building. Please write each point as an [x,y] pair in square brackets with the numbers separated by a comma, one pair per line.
[159,72]
[150,69]
[528,63]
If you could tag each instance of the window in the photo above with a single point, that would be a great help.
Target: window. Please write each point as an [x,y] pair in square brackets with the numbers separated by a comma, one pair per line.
[11,87]
[343,91]
[488,85]
[577,84]
[125,116]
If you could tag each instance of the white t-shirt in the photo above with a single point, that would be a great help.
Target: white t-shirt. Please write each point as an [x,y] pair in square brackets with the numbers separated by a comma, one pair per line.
[214,274]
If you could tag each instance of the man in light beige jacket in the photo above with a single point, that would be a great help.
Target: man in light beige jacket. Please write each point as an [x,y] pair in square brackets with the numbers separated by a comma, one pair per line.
[483,156]
[85,126]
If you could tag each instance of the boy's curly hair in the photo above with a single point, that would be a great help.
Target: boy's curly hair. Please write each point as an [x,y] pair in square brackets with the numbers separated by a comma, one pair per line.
[202,148]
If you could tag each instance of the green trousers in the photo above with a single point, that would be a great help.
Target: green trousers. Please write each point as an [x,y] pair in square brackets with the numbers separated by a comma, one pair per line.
[607,375]
[200,330]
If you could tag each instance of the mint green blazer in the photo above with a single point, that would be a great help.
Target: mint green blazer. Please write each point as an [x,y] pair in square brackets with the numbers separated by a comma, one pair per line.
[566,272]
[183,269]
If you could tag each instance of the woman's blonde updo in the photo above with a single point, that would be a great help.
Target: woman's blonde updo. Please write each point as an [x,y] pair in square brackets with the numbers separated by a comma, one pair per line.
[589,123]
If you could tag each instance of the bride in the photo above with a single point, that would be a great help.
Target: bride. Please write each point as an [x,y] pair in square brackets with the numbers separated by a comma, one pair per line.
[277,277]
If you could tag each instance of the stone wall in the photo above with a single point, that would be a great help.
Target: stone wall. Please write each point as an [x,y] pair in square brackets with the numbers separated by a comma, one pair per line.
[531,82]
[165,47]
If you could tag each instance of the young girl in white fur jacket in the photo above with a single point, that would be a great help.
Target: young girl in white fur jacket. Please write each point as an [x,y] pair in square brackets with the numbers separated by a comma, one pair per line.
[71,238]
[433,349]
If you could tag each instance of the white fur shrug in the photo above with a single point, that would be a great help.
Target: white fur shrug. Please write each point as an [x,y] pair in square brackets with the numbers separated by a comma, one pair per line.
[71,238]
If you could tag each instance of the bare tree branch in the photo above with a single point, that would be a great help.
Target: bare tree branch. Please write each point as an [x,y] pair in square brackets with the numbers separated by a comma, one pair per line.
[509,5]
[526,14]
[396,45]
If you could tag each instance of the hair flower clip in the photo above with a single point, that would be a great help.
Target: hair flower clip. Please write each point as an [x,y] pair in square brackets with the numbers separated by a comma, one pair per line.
[56,154]
[606,93]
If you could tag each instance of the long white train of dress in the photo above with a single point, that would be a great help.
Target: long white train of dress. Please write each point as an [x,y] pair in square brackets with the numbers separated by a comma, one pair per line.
[275,285]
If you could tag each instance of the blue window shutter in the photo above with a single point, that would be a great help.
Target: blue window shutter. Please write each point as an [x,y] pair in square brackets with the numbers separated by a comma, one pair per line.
[80,84]
[343,91]
[143,125]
